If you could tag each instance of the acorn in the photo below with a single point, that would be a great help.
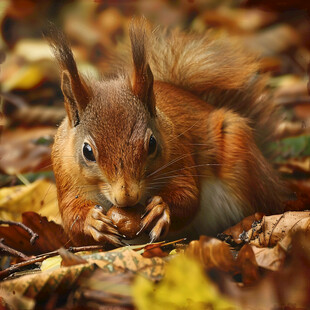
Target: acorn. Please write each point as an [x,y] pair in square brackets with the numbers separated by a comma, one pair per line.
[127,219]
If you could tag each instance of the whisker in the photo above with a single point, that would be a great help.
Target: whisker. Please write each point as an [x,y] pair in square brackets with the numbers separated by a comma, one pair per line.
[190,167]
[182,133]
[170,163]
[182,175]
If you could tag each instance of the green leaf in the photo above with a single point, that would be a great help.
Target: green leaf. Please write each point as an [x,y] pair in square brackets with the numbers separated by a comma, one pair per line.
[292,147]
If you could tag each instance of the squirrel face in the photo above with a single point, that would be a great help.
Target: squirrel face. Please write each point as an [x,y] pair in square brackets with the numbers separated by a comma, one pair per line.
[117,144]
[113,125]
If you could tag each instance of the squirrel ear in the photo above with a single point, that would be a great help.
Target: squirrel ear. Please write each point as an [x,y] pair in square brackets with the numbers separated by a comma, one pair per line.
[75,95]
[142,79]
[75,90]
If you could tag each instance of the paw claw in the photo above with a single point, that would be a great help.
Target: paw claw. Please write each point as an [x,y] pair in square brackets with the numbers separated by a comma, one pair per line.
[100,227]
[157,214]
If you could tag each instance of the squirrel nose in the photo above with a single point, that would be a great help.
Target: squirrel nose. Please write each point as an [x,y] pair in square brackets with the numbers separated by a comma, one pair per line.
[126,195]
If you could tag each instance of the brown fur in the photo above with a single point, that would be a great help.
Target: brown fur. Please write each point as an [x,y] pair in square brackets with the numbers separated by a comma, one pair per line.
[163,95]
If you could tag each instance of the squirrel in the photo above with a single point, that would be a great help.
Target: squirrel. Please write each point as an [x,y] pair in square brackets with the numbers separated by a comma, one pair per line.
[181,130]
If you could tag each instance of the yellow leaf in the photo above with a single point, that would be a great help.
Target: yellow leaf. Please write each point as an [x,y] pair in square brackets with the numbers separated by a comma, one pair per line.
[52,263]
[26,78]
[184,287]
[40,197]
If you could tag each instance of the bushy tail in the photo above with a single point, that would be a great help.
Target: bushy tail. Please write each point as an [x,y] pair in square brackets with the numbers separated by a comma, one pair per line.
[218,70]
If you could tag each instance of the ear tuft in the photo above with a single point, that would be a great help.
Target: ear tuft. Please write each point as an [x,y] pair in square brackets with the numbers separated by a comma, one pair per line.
[142,79]
[75,90]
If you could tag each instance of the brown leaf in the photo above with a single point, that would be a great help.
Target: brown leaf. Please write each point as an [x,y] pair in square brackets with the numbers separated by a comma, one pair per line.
[122,259]
[70,259]
[273,40]
[212,253]
[237,231]
[267,231]
[287,288]
[276,227]
[246,262]
[293,165]
[104,288]
[51,235]
[270,258]
[154,250]
[237,20]
[20,153]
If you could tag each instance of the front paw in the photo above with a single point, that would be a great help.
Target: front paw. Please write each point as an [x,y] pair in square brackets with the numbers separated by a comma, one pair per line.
[100,227]
[157,215]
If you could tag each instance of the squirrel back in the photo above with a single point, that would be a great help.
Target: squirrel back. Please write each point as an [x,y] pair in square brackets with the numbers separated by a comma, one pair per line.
[220,71]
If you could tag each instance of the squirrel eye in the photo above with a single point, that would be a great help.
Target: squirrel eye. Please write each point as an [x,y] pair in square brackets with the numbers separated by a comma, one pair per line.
[88,152]
[152,145]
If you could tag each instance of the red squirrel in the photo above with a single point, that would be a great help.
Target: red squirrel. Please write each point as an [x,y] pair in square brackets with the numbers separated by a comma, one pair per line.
[179,130]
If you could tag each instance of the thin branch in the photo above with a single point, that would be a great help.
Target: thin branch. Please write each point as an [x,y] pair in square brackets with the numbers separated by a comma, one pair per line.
[33,235]
[7,250]
[40,258]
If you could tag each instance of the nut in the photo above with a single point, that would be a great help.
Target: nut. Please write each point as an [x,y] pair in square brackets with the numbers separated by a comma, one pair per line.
[127,220]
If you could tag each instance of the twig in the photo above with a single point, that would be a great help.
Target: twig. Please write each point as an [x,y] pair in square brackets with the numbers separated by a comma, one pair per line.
[40,258]
[33,235]
[6,249]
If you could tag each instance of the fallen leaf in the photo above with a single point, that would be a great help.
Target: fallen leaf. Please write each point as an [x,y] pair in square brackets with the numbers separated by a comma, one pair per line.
[20,152]
[236,233]
[275,227]
[39,196]
[51,235]
[212,253]
[247,263]
[267,231]
[270,258]
[127,259]
[287,288]
[289,149]
[153,250]
[184,286]
[102,288]
[13,300]
[41,285]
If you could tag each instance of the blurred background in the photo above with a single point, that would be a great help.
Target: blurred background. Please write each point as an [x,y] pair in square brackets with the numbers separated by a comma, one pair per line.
[32,103]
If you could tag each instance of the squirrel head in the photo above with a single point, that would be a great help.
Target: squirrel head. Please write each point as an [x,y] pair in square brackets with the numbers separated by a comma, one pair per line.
[114,124]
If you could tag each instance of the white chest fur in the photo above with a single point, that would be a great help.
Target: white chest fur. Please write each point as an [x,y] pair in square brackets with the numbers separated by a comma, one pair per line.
[219,208]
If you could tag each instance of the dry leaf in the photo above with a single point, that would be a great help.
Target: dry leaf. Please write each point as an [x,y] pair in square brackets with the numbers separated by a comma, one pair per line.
[153,250]
[184,286]
[41,285]
[102,288]
[212,253]
[126,259]
[295,166]
[51,235]
[273,40]
[275,227]
[270,258]
[287,288]
[267,231]
[20,151]
[246,262]
[39,196]
[237,231]
[70,259]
